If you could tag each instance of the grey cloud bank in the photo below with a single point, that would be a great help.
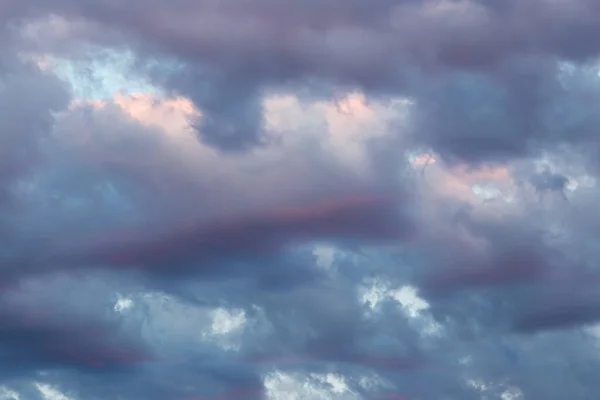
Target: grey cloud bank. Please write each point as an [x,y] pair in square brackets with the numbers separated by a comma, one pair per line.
[105,200]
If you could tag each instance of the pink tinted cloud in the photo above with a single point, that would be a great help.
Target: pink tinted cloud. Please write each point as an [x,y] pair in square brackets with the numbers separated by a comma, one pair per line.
[374,218]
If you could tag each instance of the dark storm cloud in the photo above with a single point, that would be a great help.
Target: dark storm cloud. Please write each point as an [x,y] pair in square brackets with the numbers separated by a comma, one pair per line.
[63,203]
[31,341]
[43,330]
[484,251]
[564,307]
[341,334]
[264,38]
[92,187]
[232,110]
[506,273]
[39,330]
[514,106]
[376,218]
[230,53]
[519,110]
[207,232]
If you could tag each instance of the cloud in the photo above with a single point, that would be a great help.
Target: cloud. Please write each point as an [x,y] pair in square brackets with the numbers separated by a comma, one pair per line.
[328,199]
[239,51]
[28,101]
[43,330]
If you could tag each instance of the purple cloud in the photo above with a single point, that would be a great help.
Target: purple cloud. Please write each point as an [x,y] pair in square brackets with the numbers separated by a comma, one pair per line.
[262,210]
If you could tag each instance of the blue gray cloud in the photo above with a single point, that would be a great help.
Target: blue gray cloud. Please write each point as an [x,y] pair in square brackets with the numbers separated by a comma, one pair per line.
[319,199]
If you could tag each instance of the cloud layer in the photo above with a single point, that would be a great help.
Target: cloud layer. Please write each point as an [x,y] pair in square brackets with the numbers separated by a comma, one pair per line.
[311,200]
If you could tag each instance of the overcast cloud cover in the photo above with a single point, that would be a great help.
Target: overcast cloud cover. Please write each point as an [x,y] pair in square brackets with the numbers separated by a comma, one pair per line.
[301,199]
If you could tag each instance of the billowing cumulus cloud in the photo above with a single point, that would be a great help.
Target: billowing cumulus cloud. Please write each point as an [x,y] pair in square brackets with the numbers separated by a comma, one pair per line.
[317,199]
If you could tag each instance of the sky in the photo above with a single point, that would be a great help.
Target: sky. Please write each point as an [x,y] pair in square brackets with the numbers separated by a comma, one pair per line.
[301,199]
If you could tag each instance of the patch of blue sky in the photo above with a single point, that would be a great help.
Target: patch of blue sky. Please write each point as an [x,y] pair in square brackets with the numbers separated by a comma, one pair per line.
[102,75]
